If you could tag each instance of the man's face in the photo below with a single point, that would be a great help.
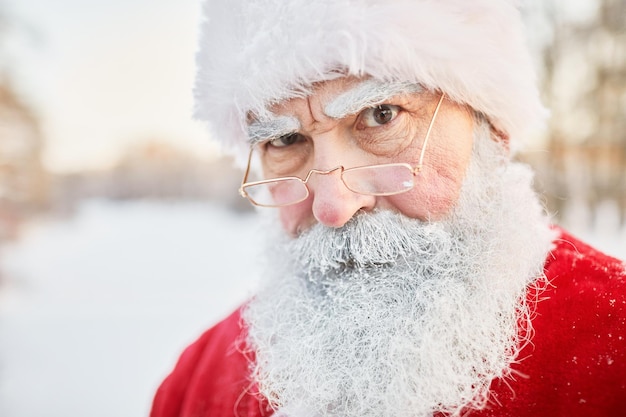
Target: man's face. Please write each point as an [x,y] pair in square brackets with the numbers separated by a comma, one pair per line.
[335,125]
[390,315]
[402,305]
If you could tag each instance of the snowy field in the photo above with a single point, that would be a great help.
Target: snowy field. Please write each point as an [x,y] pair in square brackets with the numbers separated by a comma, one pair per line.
[94,310]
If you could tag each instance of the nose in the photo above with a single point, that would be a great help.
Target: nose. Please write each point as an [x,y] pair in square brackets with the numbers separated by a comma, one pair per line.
[333,203]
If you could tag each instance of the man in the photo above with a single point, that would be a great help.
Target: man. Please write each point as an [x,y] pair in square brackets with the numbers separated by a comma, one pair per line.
[410,268]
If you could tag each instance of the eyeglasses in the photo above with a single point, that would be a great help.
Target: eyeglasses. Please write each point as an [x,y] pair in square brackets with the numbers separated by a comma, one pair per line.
[375,180]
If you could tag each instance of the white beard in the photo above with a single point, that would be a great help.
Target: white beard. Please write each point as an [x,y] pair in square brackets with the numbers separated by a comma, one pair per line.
[391,316]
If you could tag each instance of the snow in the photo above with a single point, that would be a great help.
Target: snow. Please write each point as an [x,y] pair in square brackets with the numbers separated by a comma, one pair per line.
[95,309]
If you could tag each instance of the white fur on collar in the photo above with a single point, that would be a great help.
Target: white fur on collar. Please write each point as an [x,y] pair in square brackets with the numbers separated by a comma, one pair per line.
[256,52]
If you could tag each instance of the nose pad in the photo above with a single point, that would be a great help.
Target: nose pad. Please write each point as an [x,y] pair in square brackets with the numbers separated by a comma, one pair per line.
[333,203]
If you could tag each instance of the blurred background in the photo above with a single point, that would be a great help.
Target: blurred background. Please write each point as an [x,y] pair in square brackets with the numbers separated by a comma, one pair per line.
[122,235]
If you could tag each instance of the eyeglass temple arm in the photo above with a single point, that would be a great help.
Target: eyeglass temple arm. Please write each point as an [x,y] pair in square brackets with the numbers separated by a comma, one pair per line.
[245,175]
[418,168]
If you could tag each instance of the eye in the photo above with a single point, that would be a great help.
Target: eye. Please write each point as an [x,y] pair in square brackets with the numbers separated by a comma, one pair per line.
[286,140]
[379,115]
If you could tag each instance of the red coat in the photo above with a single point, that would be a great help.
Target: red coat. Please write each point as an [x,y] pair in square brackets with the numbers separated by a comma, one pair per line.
[575,365]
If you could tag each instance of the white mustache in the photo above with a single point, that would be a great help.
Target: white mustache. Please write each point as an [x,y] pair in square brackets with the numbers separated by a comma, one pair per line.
[368,240]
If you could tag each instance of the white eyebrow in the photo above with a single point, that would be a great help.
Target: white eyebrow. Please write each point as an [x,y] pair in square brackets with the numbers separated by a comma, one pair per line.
[369,93]
[272,128]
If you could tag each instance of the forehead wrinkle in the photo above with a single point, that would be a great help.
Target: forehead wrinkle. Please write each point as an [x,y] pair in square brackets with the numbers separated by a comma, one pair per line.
[368,93]
[272,128]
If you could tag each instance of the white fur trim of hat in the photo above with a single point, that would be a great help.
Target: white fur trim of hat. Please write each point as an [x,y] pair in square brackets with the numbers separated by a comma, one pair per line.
[254,53]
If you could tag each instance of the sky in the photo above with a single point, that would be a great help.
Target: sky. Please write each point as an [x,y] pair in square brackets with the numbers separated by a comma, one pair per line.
[104,75]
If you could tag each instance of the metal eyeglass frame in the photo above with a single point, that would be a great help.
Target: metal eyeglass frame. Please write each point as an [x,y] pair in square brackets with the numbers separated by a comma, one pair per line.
[415,170]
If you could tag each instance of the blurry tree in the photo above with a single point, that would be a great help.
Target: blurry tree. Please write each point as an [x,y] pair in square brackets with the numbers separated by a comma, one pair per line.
[23,184]
[584,74]
[154,169]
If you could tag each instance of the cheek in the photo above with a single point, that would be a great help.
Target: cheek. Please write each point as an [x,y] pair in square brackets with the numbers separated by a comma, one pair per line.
[438,186]
[296,217]
[431,199]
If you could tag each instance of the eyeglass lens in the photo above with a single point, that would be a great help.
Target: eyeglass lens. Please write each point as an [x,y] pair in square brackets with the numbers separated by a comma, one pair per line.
[277,193]
[379,179]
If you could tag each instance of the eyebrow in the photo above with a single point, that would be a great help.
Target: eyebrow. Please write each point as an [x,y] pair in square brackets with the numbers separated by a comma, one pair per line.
[369,93]
[272,128]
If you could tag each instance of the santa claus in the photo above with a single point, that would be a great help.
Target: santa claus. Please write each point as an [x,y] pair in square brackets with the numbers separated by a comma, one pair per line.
[410,268]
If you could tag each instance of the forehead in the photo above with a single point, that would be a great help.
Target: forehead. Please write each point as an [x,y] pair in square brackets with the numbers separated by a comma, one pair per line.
[326,91]
[348,95]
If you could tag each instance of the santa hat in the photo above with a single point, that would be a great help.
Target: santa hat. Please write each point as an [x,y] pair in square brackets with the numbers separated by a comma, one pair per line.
[254,53]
